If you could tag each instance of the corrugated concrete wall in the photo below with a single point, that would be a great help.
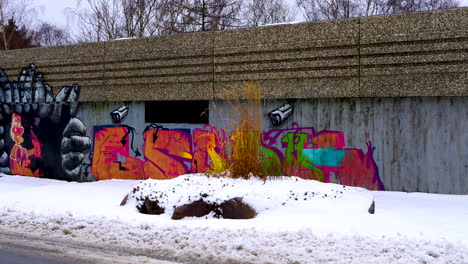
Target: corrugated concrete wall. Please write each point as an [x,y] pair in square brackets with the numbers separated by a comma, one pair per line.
[421,143]
[417,54]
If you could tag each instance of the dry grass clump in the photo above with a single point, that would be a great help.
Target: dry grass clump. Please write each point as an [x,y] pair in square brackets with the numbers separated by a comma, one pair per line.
[244,119]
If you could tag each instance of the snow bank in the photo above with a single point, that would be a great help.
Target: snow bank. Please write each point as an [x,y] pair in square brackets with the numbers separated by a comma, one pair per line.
[277,193]
[406,228]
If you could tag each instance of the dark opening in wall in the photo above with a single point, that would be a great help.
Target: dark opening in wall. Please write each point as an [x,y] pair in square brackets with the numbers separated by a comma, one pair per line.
[192,112]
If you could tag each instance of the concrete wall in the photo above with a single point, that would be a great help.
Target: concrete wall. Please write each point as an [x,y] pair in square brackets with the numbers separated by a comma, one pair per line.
[379,102]
[399,144]
[420,142]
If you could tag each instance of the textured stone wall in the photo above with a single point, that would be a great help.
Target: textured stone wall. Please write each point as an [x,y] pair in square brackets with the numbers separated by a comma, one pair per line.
[417,54]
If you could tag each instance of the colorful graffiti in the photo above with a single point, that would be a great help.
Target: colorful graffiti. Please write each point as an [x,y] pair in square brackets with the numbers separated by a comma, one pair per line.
[39,133]
[40,136]
[20,157]
[111,155]
[168,153]
[303,152]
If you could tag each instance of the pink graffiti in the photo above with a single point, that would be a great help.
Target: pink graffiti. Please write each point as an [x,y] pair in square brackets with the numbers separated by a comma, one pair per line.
[302,152]
[166,152]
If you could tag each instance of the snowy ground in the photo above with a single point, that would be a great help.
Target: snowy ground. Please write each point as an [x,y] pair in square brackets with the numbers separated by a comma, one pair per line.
[406,228]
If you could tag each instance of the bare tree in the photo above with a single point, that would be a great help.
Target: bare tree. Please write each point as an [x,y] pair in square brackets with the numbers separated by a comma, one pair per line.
[49,35]
[143,17]
[101,21]
[403,6]
[335,9]
[262,12]
[106,20]
[313,10]
[205,15]
[21,12]
[440,4]
[375,7]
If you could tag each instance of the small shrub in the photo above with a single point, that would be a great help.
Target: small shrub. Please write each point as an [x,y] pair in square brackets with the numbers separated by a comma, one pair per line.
[244,118]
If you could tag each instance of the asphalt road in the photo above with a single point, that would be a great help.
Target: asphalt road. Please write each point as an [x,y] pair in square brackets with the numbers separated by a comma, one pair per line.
[22,256]
[17,248]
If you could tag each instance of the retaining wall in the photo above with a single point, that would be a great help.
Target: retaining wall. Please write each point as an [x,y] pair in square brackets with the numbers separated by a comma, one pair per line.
[377,102]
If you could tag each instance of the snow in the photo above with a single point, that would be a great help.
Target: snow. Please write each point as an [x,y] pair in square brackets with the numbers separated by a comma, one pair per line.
[117,39]
[406,227]
[283,195]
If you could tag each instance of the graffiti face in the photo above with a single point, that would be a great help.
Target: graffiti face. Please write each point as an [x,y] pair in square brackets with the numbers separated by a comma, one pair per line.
[17,130]
[21,159]
[45,139]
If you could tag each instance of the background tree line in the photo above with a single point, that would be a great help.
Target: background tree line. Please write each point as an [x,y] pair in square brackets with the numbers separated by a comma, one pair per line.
[104,20]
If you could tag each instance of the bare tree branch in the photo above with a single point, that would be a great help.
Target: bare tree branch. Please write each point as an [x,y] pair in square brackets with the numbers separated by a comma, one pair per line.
[262,12]
[313,10]
[49,35]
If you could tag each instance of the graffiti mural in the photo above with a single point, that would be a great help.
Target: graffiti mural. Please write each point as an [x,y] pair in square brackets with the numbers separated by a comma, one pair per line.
[39,133]
[40,136]
[168,153]
[303,152]
[20,157]
[209,153]
[112,157]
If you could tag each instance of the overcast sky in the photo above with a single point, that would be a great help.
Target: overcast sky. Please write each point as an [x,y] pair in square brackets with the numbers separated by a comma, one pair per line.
[55,11]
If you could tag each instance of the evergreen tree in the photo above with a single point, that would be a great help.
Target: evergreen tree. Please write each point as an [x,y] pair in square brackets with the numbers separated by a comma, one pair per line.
[12,37]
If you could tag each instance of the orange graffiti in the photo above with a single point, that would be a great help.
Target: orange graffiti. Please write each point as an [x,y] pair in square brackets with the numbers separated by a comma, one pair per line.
[209,154]
[111,158]
[325,140]
[165,152]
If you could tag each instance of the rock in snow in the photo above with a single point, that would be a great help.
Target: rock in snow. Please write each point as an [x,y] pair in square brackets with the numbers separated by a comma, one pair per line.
[372,208]
[198,209]
[235,208]
[124,200]
[231,209]
[150,207]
